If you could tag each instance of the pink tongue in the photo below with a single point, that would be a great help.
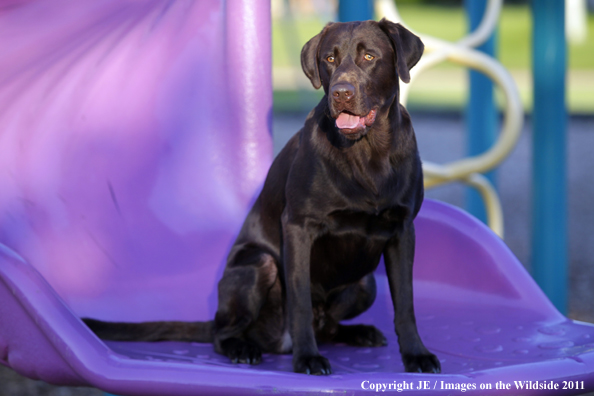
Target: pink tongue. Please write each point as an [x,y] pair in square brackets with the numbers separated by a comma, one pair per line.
[347,121]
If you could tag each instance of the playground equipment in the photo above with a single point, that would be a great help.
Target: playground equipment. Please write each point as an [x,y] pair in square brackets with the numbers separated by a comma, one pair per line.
[133,136]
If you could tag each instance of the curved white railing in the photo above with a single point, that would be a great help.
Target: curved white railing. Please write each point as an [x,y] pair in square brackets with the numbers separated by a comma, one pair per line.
[468,170]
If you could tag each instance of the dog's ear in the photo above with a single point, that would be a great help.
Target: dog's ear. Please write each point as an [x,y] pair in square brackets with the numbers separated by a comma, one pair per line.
[408,48]
[310,58]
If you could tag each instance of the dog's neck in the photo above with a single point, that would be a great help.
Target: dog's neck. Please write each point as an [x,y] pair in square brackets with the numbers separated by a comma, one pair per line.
[370,156]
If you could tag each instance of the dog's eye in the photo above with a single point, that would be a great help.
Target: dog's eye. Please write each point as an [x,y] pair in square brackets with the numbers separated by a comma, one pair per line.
[330,59]
[368,57]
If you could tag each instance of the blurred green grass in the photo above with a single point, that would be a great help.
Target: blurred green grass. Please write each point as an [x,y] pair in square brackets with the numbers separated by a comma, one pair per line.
[445,86]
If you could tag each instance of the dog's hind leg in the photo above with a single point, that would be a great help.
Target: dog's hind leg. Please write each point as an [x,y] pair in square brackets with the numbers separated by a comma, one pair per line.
[243,290]
[348,302]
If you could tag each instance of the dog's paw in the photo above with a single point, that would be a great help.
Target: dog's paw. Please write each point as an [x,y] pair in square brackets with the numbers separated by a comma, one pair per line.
[240,351]
[426,363]
[361,335]
[316,365]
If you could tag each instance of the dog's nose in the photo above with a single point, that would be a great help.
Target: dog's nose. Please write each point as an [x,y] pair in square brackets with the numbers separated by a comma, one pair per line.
[343,92]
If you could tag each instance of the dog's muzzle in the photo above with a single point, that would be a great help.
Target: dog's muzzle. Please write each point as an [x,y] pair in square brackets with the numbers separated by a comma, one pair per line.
[349,123]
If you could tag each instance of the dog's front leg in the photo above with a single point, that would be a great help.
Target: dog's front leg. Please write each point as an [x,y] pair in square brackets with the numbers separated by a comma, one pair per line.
[297,242]
[399,258]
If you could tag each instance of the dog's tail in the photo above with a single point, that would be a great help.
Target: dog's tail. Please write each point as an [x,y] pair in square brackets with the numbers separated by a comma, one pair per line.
[152,331]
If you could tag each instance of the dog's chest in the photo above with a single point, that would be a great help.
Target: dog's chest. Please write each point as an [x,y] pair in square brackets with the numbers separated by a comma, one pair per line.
[352,245]
[372,222]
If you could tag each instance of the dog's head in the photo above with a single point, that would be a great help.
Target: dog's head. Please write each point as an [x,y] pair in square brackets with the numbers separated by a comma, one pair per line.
[358,64]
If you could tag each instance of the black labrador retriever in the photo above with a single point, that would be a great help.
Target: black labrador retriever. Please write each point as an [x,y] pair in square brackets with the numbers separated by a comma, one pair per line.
[343,192]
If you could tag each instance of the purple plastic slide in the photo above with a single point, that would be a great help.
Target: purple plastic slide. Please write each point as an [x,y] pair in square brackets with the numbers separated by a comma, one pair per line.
[133,136]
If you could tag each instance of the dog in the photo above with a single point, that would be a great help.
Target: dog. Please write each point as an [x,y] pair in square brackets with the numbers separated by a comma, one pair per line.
[343,192]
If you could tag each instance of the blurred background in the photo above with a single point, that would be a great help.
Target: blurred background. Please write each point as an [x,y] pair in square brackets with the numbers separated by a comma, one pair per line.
[438,103]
